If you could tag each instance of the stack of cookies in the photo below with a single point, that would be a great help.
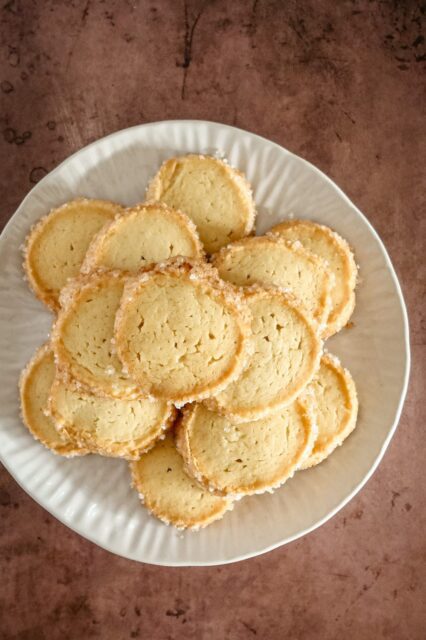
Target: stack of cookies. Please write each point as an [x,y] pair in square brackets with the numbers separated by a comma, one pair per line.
[187,345]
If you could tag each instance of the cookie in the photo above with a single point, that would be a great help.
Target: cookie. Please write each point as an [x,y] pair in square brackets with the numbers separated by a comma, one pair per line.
[83,335]
[270,260]
[182,333]
[169,493]
[286,354]
[108,426]
[327,244]
[336,404]
[242,459]
[34,386]
[57,244]
[215,196]
[142,235]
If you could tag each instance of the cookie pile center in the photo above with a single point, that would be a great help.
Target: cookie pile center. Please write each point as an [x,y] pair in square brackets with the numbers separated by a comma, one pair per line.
[187,345]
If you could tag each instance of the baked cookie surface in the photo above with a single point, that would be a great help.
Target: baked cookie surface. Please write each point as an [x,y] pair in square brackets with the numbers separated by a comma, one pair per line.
[108,426]
[169,493]
[286,354]
[83,335]
[215,196]
[181,332]
[34,386]
[242,459]
[327,244]
[142,235]
[270,260]
[336,408]
[56,246]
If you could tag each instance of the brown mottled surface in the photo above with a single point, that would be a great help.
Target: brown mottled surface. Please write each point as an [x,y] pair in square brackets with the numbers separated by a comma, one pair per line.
[338,83]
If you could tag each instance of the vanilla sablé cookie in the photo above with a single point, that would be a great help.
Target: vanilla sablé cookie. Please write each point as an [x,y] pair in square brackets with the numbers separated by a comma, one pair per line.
[142,235]
[83,335]
[286,354]
[170,494]
[108,426]
[181,332]
[241,459]
[336,409]
[327,244]
[215,196]
[270,260]
[57,244]
[34,386]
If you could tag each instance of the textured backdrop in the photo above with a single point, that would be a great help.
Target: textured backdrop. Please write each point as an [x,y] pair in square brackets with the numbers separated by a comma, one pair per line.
[343,85]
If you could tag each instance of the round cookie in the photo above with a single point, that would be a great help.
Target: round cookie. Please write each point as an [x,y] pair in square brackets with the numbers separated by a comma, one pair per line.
[270,260]
[327,244]
[170,494]
[286,354]
[215,196]
[57,244]
[336,408]
[241,459]
[108,426]
[181,332]
[142,235]
[83,335]
[34,386]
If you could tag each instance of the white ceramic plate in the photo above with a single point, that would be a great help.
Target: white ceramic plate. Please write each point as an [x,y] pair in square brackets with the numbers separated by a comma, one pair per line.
[92,495]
